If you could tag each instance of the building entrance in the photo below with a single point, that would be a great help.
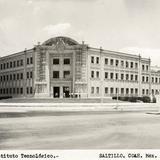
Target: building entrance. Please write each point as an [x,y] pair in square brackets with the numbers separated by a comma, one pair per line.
[56,92]
[66,92]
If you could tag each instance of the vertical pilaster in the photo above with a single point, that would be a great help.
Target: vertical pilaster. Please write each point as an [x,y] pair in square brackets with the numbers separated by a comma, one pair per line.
[47,74]
[140,77]
[73,71]
[150,80]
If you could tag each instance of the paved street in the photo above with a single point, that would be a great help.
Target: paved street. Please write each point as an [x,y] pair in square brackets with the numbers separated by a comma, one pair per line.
[78,130]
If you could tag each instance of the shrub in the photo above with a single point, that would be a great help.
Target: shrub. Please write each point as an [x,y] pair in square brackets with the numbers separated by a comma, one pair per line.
[146,99]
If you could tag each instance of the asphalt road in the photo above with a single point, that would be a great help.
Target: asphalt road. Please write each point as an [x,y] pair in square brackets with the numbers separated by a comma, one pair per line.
[79,130]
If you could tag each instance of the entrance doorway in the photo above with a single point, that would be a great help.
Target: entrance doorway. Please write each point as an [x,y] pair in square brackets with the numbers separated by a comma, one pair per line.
[66,92]
[56,92]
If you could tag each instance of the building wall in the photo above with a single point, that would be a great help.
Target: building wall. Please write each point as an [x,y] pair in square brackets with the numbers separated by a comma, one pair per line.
[90,73]
[16,75]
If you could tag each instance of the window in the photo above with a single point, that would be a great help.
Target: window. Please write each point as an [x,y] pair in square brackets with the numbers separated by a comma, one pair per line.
[131,77]
[27,60]
[116,76]
[27,90]
[122,76]
[136,65]
[14,64]
[14,90]
[143,67]
[31,90]
[92,59]
[7,65]
[117,90]
[106,90]
[111,90]
[136,77]
[92,74]
[142,78]
[10,76]
[97,60]
[127,77]
[7,78]
[66,74]
[122,90]
[55,74]
[147,67]
[21,75]
[17,76]
[66,61]
[31,74]
[10,90]
[97,90]
[92,90]
[126,64]
[152,79]
[27,75]
[127,90]
[131,64]
[10,64]
[143,91]
[21,62]
[136,90]
[147,91]
[106,75]
[1,66]
[122,63]
[17,90]
[55,61]
[31,60]
[14,76]
[17,63]
[147,79]
[4,66]
[131,90]
[97,74]
[111,76]
[117,62]
[4,77]
[111,62]
[21,90]
[106,61]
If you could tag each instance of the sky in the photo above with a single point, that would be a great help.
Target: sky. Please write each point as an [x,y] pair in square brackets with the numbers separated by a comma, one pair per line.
[130,26]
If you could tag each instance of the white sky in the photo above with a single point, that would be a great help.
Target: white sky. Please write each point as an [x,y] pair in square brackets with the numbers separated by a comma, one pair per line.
[132,26]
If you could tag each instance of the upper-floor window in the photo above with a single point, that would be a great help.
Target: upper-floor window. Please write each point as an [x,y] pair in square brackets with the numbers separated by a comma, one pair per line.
[131,77]
[147,67]
[17,63]
[14,64]
[55,61]
[147,79]
[10,64]
[55,74]
[7,65]
[92,59]
[122,76]
[127,76]
[143,67]
[136,77]
[143,78]
[66,74]
[111,62]
[66,61]
[31,74]
[126,64]
[97,74]
[21,62]
[92,74]
[117,62]
[131,64]
[97,60]
[106,61]
[111,76]
[136,65]
[122,63]
[116,76]
[97,90]
[31,60]
[27,60]
[106,75]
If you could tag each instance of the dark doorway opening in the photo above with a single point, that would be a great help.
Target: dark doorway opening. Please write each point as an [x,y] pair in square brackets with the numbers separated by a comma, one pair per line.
[56,92]
[66,93]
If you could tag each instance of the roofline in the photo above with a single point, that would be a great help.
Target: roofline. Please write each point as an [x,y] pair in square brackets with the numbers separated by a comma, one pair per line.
[17,53]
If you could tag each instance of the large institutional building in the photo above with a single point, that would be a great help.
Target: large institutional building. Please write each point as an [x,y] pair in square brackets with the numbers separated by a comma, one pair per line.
[61,67]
